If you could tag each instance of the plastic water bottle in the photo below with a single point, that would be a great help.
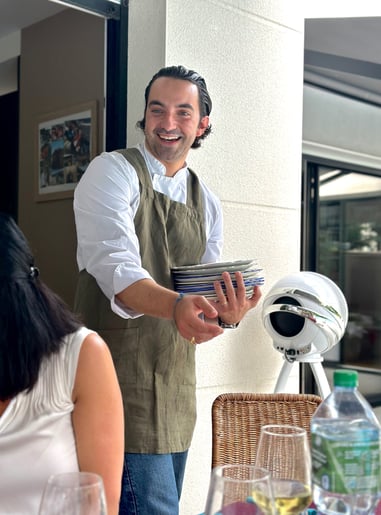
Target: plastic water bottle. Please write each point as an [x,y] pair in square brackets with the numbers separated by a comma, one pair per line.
[345,449]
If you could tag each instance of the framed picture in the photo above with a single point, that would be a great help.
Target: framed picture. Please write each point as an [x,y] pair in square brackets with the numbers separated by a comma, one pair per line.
[66,142]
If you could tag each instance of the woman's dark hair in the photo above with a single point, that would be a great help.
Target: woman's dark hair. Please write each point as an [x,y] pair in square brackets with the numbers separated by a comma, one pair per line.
[205,102]
[33,319]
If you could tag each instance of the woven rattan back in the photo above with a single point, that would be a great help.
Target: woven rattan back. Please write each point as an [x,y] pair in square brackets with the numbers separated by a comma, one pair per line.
[237,419]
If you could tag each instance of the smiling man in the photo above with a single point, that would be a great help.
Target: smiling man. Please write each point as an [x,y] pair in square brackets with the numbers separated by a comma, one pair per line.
[139,212]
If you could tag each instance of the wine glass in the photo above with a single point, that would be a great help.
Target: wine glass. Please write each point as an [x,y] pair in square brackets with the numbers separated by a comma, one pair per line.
[74,493]
[284,451]
[236,489]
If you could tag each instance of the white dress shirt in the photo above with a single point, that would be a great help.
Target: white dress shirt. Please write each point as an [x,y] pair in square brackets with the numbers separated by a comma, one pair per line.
[105,203]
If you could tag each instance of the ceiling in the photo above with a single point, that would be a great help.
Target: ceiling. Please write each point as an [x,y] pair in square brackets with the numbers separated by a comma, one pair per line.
[344,54]
[18,14]
[14,16]
[340,53]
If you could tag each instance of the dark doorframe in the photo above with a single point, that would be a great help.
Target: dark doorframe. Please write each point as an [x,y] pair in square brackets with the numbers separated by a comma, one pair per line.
[116,77]
[9,150]
[310,207]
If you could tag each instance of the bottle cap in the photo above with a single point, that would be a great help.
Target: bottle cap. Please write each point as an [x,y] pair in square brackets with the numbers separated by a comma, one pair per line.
[345,378]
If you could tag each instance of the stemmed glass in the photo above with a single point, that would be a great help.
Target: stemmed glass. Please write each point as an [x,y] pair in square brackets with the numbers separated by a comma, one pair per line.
[74,493]
[234,490]
[284,451]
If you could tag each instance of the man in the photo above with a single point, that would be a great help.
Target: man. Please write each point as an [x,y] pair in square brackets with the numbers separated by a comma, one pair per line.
[139,212]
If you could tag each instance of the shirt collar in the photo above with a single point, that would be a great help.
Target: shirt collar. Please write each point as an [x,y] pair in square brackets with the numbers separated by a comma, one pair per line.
[155,166]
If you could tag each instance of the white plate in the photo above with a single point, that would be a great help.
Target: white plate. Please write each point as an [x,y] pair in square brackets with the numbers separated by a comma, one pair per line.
[196,279]
[212,294]
[208,268]
[215,265]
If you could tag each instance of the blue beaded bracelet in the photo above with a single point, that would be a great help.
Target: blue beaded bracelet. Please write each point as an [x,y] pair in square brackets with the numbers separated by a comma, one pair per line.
[181,295]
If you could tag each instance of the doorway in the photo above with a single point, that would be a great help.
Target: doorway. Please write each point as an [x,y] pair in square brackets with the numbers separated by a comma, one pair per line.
[341,239]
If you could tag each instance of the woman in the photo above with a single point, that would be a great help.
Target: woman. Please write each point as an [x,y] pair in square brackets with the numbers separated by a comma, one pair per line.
[60,403]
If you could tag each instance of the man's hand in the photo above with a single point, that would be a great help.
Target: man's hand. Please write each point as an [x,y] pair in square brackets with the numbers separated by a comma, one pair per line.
[190,324]
[233,305]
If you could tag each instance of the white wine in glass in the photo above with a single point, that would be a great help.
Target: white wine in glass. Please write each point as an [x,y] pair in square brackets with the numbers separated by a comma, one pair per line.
[284,451]
[74,493]
[234,489]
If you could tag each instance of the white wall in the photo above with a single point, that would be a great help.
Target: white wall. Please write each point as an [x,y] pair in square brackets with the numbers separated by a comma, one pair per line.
[146,55]
[251,55]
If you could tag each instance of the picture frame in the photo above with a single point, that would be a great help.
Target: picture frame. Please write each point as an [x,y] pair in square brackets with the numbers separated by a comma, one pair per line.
[66,143]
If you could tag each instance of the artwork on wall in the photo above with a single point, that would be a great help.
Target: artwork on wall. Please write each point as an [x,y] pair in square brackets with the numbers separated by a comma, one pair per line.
[66,145]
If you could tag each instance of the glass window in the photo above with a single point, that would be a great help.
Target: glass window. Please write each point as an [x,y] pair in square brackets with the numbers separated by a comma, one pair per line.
[347,249]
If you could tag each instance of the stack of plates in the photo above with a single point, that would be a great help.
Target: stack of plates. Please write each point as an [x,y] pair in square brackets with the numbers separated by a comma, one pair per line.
[198,279]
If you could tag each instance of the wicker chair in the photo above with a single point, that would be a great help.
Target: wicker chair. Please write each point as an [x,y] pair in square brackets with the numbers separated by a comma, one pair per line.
[237,419]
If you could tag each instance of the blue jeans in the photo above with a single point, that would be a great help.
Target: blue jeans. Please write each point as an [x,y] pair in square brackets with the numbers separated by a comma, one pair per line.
[152,483]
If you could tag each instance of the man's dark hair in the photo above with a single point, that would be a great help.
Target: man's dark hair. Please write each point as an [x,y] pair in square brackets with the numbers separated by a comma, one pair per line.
[182,73]
[33,319]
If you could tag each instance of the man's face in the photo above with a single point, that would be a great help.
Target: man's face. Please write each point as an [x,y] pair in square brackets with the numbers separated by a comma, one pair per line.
[173,121]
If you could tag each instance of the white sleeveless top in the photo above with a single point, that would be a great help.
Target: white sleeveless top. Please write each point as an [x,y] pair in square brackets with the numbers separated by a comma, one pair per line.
[36,432]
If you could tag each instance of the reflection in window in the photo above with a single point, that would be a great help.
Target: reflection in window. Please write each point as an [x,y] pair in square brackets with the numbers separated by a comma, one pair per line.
[349,252]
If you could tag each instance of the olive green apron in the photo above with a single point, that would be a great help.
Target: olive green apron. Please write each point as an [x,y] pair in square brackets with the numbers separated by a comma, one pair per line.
[155,365]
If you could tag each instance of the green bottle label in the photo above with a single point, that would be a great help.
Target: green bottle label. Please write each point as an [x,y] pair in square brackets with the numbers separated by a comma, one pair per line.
[346,467]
